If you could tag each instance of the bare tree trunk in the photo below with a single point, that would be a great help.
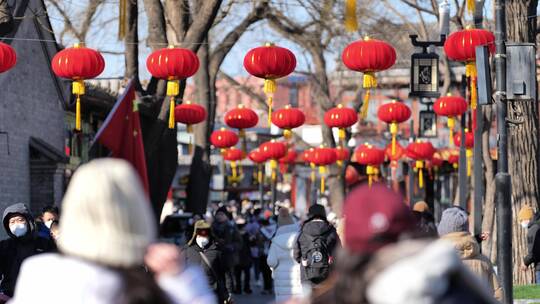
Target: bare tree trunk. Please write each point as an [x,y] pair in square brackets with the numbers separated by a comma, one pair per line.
[156,24]
[131,42]
[489,247]
[523,150]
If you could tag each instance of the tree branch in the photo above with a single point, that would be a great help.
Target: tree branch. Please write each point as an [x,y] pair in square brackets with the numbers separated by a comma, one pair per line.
[201,25]
[418,7]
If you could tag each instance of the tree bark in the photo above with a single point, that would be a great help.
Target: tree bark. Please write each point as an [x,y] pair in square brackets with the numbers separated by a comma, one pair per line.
[157,37]
[131,42]
[523,150]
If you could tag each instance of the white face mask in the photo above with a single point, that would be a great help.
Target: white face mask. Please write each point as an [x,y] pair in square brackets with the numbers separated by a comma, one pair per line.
[48,224]
[18,229]
[202,241]
[525,225]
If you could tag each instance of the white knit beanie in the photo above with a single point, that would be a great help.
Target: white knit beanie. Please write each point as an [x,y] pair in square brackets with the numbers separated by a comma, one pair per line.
[106,216]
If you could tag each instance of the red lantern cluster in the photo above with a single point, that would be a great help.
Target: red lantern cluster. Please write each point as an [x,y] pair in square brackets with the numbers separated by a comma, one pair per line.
[234,155]
[368,56]
[269,62]
[257,156]
[371,157]
[287,119]
[451,107]
[223,139]
[172,64]
[420,151]
[8,57]
[340,117]
[342,154]
[78,63]
[461,46]
[394,113]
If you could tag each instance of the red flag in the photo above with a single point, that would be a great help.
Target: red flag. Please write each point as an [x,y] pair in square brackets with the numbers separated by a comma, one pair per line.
[121,133]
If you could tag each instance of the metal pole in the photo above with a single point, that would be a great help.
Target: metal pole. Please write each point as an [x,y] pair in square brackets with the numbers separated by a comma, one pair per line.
[463,179]
[260,177]
[502,179]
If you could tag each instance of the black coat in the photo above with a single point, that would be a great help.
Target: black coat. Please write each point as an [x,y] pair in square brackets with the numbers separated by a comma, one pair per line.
[315,228]
[215,274]
[533,243]
[14,250]
[229,241]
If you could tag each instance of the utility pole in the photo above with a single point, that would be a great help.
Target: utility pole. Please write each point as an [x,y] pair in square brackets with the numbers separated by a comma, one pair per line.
[502,179]
[463,179]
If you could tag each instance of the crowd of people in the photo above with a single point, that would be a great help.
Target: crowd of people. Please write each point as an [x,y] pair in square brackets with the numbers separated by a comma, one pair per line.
[104,248]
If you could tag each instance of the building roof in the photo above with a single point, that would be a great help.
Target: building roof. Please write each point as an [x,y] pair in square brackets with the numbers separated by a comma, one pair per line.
[47,151]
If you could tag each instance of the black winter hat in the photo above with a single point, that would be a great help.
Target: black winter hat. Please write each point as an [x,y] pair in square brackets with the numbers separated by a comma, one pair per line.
[317,211]
[224,210]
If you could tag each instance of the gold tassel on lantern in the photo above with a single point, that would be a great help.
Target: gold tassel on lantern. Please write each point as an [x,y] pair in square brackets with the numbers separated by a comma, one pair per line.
[451,123]
[351,22]
[287,133]
[122,19]
[471,6]
[470,71]
[233,167]
[273,166]
[173,89]
[341,136]
[322,172]
[78,89]
[370,171]
[419,166]
[370,81]
[260,174]
[312,165]
[469,154]
[393,131]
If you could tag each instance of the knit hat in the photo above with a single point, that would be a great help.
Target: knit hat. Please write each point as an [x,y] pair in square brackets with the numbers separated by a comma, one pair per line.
[107,217]
[526,213]
[284,218]
[224,210]
[374,217]
[199,225]
[421,206]
[454,219]
[317,211]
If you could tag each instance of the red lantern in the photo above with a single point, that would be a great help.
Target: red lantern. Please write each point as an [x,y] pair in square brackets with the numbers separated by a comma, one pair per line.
[323,157]
[307,156]
[394,113]
[288,118]
[273,150]
[351,175]
[461,46]
[342,154]
[223,139]
[172,64]
[368,56]
[371,157]
[8,57]
[469,145]
[233,155]
[241,118]
[453,159]
[451,107]
[420,151]
[258,157]
[436,160]
[342,118]
[289,158]
[189,114]
[78,63]
[394,156]
[269,62]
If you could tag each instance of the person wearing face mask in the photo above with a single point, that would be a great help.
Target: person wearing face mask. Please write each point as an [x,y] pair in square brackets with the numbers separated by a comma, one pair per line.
[531,223]
[23,242]
[203,251]
[48,215]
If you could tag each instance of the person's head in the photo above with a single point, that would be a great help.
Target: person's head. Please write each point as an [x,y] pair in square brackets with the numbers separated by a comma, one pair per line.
[201,234]
[240,222]
[55,230]
[421,206]
[525,216]
[18,222]
[425,225]
[374,217]
[48,215]
[284,218]
[106,215]
[222,215]
[317,212]
[453,219]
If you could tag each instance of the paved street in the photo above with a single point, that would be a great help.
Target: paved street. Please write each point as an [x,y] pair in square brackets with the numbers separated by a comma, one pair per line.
[255,298]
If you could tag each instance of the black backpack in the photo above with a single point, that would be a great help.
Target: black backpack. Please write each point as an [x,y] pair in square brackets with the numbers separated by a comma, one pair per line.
[317,257]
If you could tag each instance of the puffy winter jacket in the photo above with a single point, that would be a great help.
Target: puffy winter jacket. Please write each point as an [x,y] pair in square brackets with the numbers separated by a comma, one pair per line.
[285,270]
[533,243]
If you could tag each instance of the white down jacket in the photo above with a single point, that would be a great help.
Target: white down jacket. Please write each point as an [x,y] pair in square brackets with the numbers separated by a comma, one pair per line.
[285,270]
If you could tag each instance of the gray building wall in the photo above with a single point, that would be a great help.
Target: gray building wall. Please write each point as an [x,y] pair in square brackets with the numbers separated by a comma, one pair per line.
[30,105]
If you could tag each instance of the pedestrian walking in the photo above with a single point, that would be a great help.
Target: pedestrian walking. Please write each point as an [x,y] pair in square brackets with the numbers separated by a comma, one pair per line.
[454,227]
[315,246]
[202,250]
[268,229]
[531,222]
[48,215]
[107,229]
[285,269]
[22,243]
[243,268]
[229,242]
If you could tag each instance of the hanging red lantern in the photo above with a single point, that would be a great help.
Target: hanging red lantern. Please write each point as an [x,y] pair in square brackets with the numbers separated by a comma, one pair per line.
[436,161]
[371,157]
[420,151]
[78,63]
[469,145]
[269,62]
[189,114]
[287,119]
[323,157]
[172,64]
[453,159]
[259,158]
[223,139]
[241,118]
[288,159]
[307,157]
[351,175]
[451,107]
[394,113]
[273,150]
[8,57]
[340,117]
[368,56]
[234,155]
[342,154]
[461,46]
[394,156]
